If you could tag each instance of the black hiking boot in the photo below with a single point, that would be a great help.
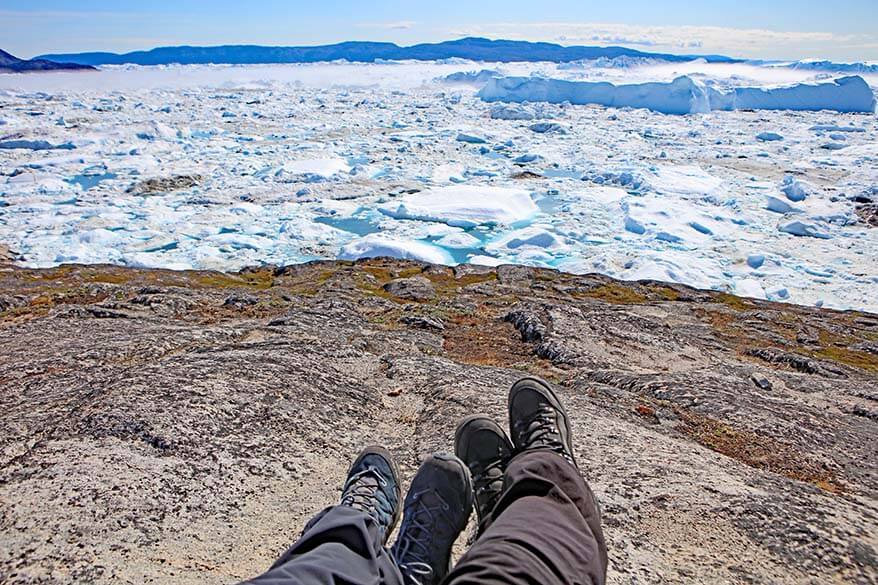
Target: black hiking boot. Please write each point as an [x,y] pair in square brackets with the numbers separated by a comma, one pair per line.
[486,450]
[538,420]
[373,487]
[437,509]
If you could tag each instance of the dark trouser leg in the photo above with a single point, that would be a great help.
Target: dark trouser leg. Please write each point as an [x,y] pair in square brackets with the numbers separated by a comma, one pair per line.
[544,530]
[340,545]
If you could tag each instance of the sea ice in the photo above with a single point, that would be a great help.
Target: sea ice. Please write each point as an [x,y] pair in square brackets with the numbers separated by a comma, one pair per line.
[511,112]
[377,245]
[35,145]
[685,95]
[283,164]
[794,189]
[311,170]
[800,228]
[465,206]
[464,137]
[749,287]
[681,96]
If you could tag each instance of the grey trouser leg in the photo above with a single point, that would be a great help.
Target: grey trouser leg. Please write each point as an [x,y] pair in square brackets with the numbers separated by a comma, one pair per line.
[544,530]
[340,545]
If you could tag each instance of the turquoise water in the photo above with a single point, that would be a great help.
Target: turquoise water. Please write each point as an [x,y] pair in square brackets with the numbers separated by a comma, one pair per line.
[462,255]
[354,225]
[87,182]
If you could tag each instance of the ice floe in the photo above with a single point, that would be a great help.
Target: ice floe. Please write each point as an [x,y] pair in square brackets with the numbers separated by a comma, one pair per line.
[377,245]
[465,206]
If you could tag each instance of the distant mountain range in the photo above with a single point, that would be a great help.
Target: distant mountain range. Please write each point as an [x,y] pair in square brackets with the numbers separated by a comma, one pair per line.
[476,49]
[11,63]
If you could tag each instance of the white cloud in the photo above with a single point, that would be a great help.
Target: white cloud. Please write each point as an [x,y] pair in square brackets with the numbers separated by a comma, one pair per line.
[398,25]
[753,43]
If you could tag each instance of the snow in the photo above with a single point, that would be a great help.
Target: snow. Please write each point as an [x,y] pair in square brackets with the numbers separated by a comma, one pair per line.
[465,206]
[296,163]
[684,95]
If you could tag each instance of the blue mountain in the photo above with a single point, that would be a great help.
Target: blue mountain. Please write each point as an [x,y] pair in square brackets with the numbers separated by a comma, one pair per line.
[476,49]
[12,63]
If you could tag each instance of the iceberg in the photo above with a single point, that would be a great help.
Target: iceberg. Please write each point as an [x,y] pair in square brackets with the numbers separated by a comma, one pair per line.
[313,170]
[377,245]
[504,112]
[685,95]
[847,94]
[35,145]
[681,96]
[465,206]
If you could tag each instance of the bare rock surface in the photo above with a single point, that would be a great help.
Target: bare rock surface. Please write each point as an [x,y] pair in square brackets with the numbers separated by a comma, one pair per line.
[160,426]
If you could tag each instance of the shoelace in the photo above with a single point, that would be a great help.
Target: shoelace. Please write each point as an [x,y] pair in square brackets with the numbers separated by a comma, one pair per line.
[416,538]
[541,430]
[368,496]
[484,482]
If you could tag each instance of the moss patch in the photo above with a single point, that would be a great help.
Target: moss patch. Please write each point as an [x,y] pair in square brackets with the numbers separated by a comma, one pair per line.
[849,357]
[736,303]
[614,293]
[665,293]
[758,451]
[483,339]
[258,280]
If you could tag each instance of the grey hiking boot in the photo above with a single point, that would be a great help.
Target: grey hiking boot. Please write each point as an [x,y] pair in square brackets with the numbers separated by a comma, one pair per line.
[373,487]
[486,450]
[437,509]
[538,420]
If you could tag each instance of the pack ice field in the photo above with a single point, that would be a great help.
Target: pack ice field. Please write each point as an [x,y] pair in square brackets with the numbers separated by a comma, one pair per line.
[757,179]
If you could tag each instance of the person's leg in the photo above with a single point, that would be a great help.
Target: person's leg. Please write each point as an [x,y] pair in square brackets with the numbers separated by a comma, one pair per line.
[545,527]
[345,543]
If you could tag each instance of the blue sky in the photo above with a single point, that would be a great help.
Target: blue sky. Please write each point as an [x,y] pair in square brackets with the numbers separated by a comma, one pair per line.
[779,29]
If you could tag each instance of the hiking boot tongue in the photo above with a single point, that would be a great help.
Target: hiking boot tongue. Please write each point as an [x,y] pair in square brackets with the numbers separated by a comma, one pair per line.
[488,485]
[365,492]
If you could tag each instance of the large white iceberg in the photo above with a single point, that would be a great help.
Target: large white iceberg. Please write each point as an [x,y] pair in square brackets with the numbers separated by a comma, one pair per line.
[465,206]
[681,96]
[377,245]
[685,95]
[313,170]
[846,94]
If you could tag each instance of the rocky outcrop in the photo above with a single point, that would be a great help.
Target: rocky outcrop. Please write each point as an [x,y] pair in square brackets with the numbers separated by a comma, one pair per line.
[183,426]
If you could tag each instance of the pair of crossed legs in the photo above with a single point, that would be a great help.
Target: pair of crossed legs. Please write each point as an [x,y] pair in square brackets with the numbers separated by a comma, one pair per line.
[539,522]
